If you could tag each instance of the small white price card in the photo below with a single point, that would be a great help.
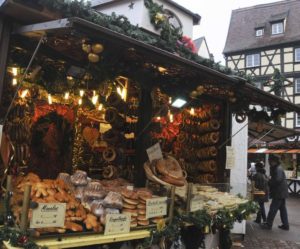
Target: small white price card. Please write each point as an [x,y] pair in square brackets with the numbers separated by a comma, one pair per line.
[154,152]
[117,224]
[196,203]
[230,157]
[48,215]
[156,207]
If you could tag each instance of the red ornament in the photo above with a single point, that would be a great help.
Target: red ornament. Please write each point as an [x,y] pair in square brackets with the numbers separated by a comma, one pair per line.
[188,43]
[23,240]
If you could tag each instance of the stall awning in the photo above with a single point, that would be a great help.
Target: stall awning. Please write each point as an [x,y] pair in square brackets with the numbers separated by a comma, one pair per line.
[191,73]
[267,132]
[275,151]
[259,97]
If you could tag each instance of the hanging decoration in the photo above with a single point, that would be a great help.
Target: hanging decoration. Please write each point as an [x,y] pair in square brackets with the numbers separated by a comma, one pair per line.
[188,43]
[93,51]
[277,83]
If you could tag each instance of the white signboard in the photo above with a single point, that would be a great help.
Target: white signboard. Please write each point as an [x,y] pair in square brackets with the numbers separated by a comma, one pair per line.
[154,152]
[230,157]
[117,224]
[156,207]
[48,215]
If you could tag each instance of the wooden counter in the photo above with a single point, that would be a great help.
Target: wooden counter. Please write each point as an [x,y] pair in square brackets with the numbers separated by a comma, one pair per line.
[87,240]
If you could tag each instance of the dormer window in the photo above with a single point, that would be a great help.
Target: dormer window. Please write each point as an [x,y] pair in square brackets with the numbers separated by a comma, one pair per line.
[259,32]
[277,28]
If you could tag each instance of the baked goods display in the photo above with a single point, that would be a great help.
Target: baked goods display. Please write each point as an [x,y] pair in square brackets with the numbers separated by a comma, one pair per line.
[213,199]
[166,171]
[88,201]
[134,203]
[77,217]
[192,137]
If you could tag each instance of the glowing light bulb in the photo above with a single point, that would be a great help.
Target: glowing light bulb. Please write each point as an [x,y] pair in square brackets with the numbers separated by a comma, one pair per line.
[24,93]
[67,95]
[80,102]
[158,118]
[119,91]
[95,99]
[170,100]
[124,94]
[49,99]
[14,81]
[15,71]
[94,93]
[81,93]
[100,107]
[192,111]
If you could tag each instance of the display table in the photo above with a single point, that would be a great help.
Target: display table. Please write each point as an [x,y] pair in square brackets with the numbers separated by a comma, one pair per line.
[87,240]
[293,185]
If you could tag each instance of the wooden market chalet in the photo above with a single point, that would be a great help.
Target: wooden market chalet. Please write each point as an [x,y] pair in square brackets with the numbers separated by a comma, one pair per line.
[63,82]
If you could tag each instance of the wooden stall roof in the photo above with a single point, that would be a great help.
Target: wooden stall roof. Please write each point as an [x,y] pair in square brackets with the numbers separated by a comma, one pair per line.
[269,132]
[30,12]
[181,67]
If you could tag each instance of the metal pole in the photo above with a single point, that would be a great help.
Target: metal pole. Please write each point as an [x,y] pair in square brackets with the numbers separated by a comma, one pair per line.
[225,142]
[259,139]
[22,79]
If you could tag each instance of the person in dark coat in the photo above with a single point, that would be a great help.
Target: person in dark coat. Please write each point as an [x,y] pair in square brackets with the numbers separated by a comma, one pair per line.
[278,193]
[261,183]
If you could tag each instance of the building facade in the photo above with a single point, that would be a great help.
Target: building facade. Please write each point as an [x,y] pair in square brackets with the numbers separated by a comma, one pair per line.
[264,38]
[138,14]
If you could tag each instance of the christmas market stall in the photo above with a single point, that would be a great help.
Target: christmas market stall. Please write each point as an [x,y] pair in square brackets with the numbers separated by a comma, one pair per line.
[116,140]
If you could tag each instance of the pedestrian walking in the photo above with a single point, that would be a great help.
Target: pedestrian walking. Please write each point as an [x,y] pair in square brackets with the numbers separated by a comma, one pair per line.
[251,171]
[261,183]
[278,192]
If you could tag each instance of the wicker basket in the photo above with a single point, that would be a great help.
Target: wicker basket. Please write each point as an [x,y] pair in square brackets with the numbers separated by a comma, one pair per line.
[152,177]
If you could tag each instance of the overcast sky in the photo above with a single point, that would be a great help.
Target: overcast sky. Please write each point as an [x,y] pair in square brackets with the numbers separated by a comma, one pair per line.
[215,20]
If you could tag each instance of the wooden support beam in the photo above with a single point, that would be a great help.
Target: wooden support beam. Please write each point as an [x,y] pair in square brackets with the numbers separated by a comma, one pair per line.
[143,138]
[5,28]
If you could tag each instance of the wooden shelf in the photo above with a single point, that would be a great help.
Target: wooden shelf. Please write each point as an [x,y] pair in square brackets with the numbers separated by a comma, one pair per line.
[86,240]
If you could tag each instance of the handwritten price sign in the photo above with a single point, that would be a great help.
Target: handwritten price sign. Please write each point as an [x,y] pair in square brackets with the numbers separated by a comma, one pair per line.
[154,152]
[156,207]
[117,224]
[48,215]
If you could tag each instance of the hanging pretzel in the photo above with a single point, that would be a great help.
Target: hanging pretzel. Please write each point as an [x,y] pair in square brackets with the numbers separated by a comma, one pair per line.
[109,154]
[240,117]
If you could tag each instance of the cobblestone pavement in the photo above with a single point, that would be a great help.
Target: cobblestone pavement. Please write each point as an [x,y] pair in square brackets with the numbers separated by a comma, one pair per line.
[251,242]
[256,238]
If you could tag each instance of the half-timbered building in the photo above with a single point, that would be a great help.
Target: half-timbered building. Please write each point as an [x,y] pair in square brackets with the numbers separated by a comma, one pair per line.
[263,38]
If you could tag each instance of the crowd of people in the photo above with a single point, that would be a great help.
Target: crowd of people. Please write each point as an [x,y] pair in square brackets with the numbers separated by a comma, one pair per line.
[273,187]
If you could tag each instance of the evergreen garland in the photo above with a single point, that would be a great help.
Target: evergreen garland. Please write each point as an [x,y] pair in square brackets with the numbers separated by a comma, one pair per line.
[17,239]
[223,220]
[169,39]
